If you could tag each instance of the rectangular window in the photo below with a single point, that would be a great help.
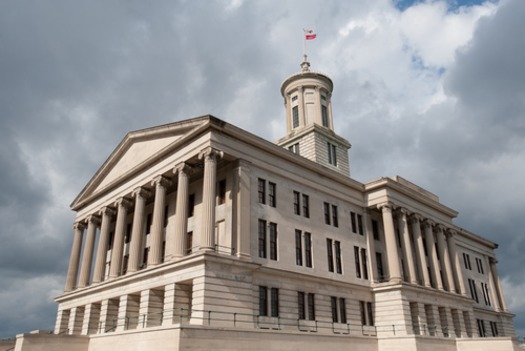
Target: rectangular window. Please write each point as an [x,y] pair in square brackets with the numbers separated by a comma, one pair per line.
[300,305]
[274,308]
[149,222]
[311,306]
[335,220]
[494,328]
[110,240]
[262,238]
[370,310]
[273,241]
[335,317]
[145,257]
[332,154]
[263,301]
[297,203]
[486,296]
[261,189]
[379,262]
[306,206]
[363,261]
[473,290]
[329,251]
[360,224]
[338,263]
[357,262]
[466,260]
[375,229]
[127,237]
[295,116]
[221,192]
[165,216]
[189,242]
[294,148]
[479,263]
[353,220]
[308,249]
[326,206]
[191,205]
[298,248]
[324,114]
[481,328]
[362,310]
[272,195]
[294,98]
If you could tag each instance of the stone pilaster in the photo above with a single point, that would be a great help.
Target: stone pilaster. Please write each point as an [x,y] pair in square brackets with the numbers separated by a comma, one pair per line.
[241,208]
[210,156]
[76,318]
[431,249]
[151,307]
[74,258]
[407,246]
[445,259]
[137,231]
[62,322]
[183,172]
[161,184]
[420,250]
[87,256]
[115,267]
[109,315]
[91,318]
[100,263]
[391,244]
[497,285]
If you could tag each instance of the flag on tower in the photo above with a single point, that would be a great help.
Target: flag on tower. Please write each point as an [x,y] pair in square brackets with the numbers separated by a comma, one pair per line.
[309,34]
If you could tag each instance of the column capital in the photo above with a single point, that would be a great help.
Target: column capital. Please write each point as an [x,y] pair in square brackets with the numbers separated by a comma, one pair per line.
[493,260]
[388,206]
[81,225]
[183,167]
[428,223]
[403,211]
[451,232]
[161,181]
[415,218]
[210,152]
[122,201]
[142,192]
[106,210]
[300,88]
[93,219]
[439,228]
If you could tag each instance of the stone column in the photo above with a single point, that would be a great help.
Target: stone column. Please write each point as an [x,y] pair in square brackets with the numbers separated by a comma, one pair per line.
[123,205]
[102,250]
[210,156]
[407,245]
[74,258]
[391,244]
[456,263]
[137,230]
[445,259]
[301,109]
[431,249]
[161,184]
[420,250]
[241,208]
[318,103]
[371,246]
[87,256]
[497,284]
[183,172]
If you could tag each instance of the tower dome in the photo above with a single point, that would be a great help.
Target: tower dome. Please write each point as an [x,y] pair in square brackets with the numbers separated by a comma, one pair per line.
[309,122]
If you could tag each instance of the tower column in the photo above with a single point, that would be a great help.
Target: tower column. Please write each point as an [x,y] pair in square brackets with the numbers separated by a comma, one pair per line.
[407,246]
[102,249]
[87,257]
[371,246]
[161,183]
[301,109]
[391,244]
[431,249]
[456,263]
[420,250]
[74,258]
[210,156]
[137,230]
[181,215]
[445,259]
[118,244]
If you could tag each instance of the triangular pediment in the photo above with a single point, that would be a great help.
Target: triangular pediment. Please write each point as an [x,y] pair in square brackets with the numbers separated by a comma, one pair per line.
[135,151]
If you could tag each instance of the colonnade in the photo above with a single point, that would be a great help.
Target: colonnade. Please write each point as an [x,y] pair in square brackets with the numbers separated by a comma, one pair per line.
[431,239]
[136,201]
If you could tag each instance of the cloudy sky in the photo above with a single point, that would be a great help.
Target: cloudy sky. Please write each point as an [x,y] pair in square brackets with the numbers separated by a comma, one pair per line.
[430,90]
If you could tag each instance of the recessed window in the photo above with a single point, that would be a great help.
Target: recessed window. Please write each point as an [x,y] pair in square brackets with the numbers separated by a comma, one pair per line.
[338,309]
[221,192]
[295,116]
[324,115]
[294,98]
[332,154]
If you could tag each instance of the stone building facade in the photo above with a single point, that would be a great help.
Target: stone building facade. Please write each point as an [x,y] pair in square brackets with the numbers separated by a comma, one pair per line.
[199,235]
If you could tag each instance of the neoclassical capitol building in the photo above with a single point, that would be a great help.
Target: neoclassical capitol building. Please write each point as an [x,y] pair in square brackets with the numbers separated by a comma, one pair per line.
[198,235]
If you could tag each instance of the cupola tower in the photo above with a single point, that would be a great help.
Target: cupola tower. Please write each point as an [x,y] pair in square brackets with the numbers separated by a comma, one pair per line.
[309,121]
